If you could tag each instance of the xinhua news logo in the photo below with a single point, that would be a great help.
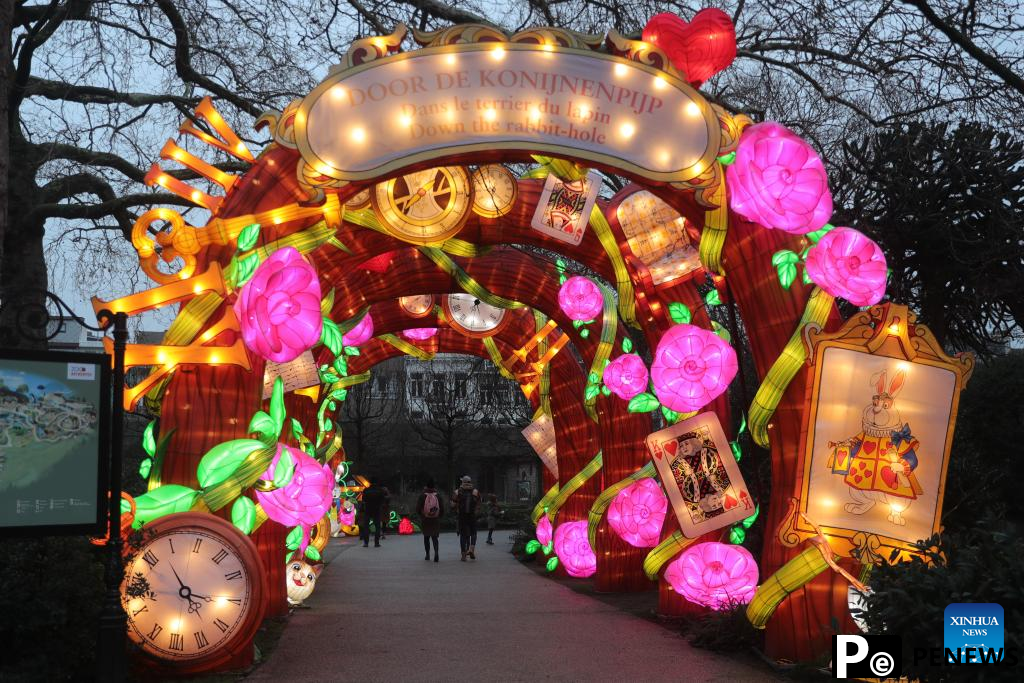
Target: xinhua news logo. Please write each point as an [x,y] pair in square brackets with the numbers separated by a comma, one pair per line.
[973,633]
[866,656]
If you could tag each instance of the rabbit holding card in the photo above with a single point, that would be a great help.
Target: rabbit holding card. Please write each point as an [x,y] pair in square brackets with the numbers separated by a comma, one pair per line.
[879,462]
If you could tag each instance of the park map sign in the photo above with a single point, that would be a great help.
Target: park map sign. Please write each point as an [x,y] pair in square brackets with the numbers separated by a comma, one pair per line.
[51,439]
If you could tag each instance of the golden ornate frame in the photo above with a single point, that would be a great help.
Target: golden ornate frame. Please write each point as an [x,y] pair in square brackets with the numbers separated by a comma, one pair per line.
[889,330]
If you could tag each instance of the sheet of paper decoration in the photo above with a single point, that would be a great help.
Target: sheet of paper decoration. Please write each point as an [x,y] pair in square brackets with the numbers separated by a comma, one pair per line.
[700,474]
[563,211]
[296,374]
[541,435]
[656,235]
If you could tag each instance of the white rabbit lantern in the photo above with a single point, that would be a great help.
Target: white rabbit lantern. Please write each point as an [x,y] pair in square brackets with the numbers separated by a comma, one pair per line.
[880,420]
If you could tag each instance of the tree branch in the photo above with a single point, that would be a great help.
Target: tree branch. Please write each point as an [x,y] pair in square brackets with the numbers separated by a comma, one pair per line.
[448,12]
[89,94]
[967,45]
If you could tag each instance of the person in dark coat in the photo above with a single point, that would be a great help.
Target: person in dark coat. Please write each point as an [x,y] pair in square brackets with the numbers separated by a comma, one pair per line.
[372,504]
[430,508]
[467,500]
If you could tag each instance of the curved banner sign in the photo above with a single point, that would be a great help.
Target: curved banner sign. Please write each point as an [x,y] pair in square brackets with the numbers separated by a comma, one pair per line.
[378,117]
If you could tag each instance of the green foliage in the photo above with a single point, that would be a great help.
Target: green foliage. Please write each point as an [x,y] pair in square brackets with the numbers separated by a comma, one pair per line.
[263,425]
[591,391]
[712,298]
[312,553]
[50,606]
[144,467]
[149,440]
[551,564]
[978,564]
[243,514]
[331,336]
[247,238]
[727,631]
[245,268]
[737,450]
[221,461]
[284,469]
[785,265]
[737,535]
[643,403]
[163,501]
[327,303]
[294,538]
[532,547]
[670,415]
[679,312]
[627,345]
[721,331]
[277,412]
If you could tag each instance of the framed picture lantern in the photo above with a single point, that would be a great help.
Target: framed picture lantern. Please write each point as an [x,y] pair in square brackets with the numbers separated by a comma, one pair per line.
[882,408]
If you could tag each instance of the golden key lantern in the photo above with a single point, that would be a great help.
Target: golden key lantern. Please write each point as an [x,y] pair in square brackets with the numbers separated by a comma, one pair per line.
[881,410]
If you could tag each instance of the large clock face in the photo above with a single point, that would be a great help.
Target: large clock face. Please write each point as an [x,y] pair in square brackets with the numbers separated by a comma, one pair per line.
[472,316]
[424,207]
[189,592]
[495,190]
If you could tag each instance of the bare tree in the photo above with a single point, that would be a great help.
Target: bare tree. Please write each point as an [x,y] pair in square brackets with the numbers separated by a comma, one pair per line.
[368,414]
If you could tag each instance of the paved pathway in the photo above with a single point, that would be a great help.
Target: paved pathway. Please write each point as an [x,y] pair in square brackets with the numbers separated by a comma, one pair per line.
[383,614]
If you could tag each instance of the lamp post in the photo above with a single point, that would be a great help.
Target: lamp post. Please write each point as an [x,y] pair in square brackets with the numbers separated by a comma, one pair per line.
[110,653]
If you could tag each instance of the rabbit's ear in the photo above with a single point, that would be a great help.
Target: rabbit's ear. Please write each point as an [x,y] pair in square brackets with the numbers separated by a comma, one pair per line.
[878,379]
[897,383]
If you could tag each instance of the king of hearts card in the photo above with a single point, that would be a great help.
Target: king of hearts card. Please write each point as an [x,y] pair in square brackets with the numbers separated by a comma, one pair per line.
[699,472]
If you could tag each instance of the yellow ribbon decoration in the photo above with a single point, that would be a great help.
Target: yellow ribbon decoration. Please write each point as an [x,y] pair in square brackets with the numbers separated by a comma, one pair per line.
[664,552]
[405,347]
[623,282]
[608,495]
[539,321]
[574,484]
[716,225]
[791,576]
[785,367]
[543,503]
[609,323]
[467,283]
[495,355]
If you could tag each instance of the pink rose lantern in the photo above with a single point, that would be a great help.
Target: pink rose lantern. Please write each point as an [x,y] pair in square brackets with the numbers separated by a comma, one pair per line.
[778,180]
[716,575]
[580,299]
[279,308]
[544,530]
[347,514]
[361,333]
[847,264]
[638,512]
[419,333]
[305,499]
[691,367]
[626,376]
[573,549]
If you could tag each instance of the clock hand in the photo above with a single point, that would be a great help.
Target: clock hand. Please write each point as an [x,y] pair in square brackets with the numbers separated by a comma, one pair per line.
[180,582]
[417,195]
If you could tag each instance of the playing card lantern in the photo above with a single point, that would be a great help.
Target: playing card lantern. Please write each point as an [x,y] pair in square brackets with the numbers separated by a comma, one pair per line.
[419,333]
[638,512]
[691,367]
[580,299]
[699,49]
[278,310]
[574,551]
[847,264]
[715,575]
[778,180]
[544,530]
[305,499]
[361,333]
[626,376]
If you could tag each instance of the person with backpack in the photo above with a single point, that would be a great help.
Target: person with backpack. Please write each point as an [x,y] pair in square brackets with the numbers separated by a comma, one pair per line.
[466,502]
[430,508]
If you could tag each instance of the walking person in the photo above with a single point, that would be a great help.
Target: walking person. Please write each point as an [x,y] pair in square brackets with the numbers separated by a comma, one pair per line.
[493,511]
[373,500]
[430,508]
[385,512]
[466,503]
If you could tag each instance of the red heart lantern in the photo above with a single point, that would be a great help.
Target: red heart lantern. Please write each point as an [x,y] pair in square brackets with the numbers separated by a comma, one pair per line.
[698,49]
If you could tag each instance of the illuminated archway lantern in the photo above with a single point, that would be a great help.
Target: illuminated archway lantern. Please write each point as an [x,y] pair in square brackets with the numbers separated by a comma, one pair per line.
[278,310]
[847,264]
[691,367]
[626,376]
[716,575]
[638,512]
[307,496]
[574,551]
[580,299]
[778,180]
[419,333]
[361,333]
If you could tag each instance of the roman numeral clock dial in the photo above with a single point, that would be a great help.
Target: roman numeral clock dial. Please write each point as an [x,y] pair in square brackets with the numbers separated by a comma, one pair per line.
[471,316]
[193,593]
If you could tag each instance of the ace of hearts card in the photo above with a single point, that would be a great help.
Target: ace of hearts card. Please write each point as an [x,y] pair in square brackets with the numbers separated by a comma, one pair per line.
[563,211]
[700,474]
